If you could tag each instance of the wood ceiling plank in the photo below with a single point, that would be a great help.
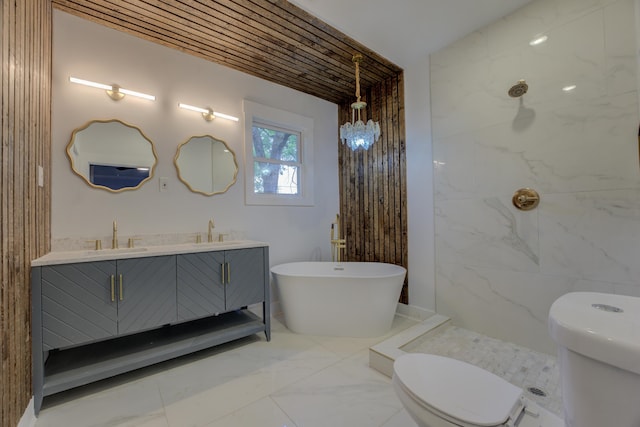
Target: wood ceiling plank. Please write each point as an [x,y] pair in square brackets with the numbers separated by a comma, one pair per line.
[258,46]
[270,39]
[199,31]
[278,23]
[249,21]
[220,54]
[334,43]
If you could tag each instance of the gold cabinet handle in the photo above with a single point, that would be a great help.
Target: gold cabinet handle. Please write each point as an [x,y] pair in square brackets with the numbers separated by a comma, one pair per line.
[228,273]
[121,293]
[113,288]
[222,273]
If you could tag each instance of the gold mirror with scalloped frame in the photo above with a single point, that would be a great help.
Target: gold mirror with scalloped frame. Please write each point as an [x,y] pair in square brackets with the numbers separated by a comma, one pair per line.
[112,155]
[206,165]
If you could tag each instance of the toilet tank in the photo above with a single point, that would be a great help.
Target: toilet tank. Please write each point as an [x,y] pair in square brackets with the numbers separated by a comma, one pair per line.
[604,327]
[598,340]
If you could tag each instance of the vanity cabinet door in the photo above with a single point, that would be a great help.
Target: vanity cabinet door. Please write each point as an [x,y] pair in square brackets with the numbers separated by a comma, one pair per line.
[147,297]
[244,281]
[76,304]
[200,286]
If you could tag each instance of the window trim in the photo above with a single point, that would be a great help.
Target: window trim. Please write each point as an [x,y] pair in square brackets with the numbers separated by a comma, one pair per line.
[270,116]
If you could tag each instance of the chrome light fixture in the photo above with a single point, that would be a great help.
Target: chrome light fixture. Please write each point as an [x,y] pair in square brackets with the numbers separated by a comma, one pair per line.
[114,92]
[357,134]
[207,113]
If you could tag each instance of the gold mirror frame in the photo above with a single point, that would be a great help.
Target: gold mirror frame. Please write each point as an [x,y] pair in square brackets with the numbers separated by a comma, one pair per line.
[72,141]
[190,185]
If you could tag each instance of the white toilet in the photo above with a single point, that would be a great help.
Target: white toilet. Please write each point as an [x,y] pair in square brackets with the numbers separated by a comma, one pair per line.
[598,338]
[443,392]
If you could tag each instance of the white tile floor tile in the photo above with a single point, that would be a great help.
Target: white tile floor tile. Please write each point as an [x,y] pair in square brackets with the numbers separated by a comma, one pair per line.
[262,413]
[400,419]
[137,403]
[293,381]
[348,393]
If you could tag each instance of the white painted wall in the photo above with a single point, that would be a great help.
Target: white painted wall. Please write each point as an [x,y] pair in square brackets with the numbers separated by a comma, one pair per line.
[500,269]
[93,52]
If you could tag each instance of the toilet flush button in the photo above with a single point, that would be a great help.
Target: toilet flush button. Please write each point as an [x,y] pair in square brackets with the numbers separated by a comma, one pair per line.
[607,308]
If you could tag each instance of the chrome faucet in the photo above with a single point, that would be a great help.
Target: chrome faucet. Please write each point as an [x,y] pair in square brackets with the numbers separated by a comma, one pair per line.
[114,237]
[210,228]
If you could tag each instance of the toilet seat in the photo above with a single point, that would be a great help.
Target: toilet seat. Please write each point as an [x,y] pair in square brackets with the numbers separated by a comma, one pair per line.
[458,392]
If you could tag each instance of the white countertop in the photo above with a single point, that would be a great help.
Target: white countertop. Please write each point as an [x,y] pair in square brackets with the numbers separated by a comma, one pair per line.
[69,257]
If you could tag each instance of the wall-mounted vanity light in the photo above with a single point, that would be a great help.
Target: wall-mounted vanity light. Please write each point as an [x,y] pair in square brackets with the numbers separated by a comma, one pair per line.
[207,113]
[114,92]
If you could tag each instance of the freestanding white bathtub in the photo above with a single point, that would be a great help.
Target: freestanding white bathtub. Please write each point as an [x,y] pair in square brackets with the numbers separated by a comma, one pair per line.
[350,299]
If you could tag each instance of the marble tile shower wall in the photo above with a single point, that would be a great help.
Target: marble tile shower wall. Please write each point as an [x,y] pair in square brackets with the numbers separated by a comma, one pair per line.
[499,269]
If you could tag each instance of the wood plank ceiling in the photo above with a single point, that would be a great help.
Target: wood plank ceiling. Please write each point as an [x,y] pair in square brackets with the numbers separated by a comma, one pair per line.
[270,39]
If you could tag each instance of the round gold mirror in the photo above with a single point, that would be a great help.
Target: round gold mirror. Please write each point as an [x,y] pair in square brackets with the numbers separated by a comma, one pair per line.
[206,165]
[112,155]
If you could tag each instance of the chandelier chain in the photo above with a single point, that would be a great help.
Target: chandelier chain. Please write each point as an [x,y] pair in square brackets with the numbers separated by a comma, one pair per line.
[357,134]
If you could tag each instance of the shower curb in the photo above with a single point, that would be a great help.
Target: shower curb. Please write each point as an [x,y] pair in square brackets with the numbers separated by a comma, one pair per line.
[383,354]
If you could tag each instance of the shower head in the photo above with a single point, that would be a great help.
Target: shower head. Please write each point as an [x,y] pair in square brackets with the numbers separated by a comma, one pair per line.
[518,89]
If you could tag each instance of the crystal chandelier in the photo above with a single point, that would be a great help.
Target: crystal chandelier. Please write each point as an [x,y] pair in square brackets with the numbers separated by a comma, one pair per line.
[357,134]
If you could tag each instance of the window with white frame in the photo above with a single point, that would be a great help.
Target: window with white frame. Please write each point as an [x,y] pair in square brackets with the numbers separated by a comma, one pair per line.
[278,157]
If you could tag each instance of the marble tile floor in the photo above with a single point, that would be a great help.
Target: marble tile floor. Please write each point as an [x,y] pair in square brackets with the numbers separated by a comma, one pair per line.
[519,365]
[294,381]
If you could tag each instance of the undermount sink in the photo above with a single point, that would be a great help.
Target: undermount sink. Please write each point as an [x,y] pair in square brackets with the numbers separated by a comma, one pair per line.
[128,250]
[224,243]
[115,251]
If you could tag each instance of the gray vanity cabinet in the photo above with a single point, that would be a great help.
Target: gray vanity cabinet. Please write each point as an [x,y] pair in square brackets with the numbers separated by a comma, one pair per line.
[243,278]
[96,319]
[147,297]
[216,282]
[200,288]
[90,301]
[76,304]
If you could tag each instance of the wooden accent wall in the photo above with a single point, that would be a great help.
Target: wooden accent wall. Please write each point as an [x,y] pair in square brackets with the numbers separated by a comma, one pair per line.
[25,126]
[373,189]
[271,39]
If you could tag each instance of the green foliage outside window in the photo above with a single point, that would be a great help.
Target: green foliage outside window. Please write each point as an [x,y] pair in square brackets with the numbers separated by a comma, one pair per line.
[276,154]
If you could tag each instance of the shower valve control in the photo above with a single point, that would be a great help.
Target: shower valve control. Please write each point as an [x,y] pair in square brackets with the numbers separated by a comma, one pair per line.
[526,199]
